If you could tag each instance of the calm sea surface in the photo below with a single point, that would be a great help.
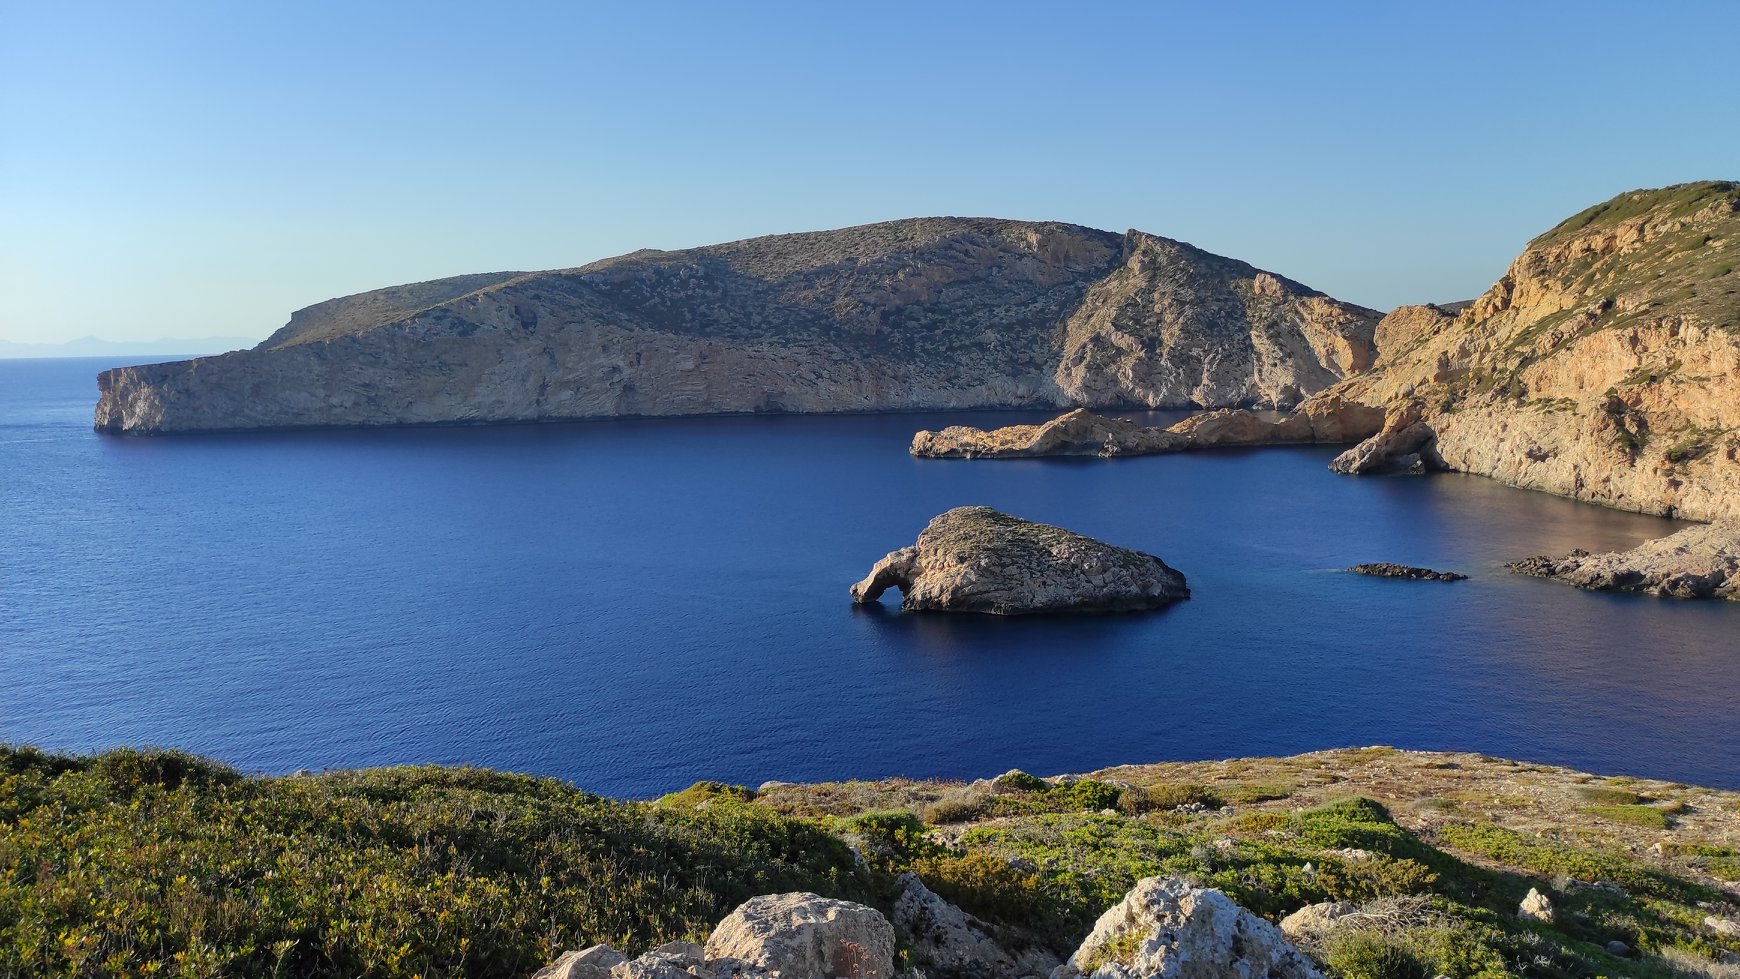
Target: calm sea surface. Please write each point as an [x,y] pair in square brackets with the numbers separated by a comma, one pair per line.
[635,605]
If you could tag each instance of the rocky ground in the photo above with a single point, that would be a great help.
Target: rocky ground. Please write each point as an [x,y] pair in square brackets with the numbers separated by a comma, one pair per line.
[976,559]
[1437,862]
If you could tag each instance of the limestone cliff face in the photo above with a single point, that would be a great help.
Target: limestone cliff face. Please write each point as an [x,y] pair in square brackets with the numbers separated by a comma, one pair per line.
[1604,366]
[1176,327]
[921,314]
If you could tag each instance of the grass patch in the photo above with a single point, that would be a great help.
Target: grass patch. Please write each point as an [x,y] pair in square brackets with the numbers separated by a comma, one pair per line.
[1606,796]
[1645,816]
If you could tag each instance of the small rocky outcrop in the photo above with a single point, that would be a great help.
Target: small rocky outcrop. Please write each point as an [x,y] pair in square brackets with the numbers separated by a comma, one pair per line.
[804,936]
[1384,569]
[976,559]
[1536,906]
[952,944]
[1167,929]
[1698,562]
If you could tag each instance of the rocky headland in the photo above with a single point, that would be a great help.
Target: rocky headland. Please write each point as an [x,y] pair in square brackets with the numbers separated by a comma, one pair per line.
[1698,562]
[930,313]
[976,559]
[1604,365]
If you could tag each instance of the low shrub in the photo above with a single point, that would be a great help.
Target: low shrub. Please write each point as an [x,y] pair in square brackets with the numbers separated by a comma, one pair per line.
[1087,795]
[142,863]
[1173,795]
[702,793]
[1017,780]
[961,805]
[1366,954]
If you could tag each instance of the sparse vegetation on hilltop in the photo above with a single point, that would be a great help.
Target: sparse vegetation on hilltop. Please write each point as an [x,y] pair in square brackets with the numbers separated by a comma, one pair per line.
[143,863]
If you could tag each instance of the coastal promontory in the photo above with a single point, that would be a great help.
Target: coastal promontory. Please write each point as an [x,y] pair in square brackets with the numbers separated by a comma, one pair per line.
[928,313]
[1603,366]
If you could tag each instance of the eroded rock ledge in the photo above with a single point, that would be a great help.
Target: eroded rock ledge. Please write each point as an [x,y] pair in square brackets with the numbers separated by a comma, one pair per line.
[1083,433]
[1698,562]
[976,559]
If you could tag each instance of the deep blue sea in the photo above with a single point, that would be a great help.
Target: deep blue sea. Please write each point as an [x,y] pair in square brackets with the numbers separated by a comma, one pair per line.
[637,604]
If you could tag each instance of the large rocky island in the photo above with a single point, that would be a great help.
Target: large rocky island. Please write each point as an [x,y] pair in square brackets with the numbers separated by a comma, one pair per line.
[927,313]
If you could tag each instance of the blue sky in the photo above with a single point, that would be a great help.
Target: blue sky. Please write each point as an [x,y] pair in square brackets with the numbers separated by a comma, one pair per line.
[187,169]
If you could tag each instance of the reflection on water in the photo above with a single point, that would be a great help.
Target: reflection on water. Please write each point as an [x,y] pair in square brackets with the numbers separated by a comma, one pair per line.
[638,604]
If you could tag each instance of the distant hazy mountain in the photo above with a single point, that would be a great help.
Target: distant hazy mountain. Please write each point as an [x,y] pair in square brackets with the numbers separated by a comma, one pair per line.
[96,347]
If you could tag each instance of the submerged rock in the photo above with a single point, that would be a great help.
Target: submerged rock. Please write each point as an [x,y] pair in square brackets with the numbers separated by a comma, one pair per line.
[1698,562]
[1166,928]
[976,559]
[1384,569]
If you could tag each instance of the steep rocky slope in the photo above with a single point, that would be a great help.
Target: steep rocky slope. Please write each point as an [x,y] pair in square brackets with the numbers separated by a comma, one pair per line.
[1604,366]
[923,313]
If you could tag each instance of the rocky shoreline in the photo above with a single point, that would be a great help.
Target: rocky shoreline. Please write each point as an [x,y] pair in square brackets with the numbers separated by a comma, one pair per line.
[1696,563]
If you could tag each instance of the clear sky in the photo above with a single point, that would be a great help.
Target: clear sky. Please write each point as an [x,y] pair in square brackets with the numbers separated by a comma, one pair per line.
[197,169]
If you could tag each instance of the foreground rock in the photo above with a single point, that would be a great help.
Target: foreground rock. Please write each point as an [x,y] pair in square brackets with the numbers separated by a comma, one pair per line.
[1083,433]
[976,559]
[776,936]
[1698,562]
[933,313]
[1386,570]
[799,936]
[952,944]
[1603,366]
[1166,928]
